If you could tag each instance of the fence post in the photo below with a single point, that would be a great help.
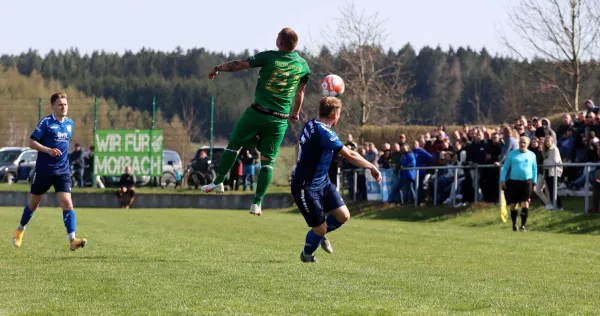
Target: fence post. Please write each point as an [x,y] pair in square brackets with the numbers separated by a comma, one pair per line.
[93,171]
[40,105]
[151,132]
[212,120]
[555,186]
[476,184]
[417,189]
[455,186]
[587,188]
[435,185]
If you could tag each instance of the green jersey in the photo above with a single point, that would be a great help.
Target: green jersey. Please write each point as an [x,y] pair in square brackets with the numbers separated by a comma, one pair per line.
[280,74]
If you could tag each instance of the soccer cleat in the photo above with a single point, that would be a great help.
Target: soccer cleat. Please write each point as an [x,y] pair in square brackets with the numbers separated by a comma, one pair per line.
[255,209]
[18,239]
[217,188]
[308,258]
[523,229]
[326,245]
[515,228]
[77,243]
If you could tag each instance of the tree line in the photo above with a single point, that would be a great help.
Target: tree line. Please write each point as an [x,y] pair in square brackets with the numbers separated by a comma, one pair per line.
[437,86]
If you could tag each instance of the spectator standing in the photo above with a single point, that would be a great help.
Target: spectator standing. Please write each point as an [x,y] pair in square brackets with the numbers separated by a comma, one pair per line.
[395,157]
[547,129]
[552,158]
[510,143]
[591,107]
[385,161]
[490,177]
[371,154]
[248,157]
[78,163]
[406,178]
[350,142]
[537,148]
[566,125]
[89,162]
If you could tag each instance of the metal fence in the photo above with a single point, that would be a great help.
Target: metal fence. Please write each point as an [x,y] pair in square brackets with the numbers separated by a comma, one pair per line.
[586,173]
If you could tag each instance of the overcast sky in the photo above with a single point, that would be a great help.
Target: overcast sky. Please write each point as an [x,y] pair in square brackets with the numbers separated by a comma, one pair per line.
[233,25]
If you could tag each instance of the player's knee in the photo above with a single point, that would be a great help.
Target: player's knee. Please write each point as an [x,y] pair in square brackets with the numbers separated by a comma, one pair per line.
[343,217]
[320,230]
[34,202]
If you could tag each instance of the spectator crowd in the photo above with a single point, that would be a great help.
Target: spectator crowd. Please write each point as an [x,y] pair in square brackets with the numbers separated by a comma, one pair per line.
[575,140]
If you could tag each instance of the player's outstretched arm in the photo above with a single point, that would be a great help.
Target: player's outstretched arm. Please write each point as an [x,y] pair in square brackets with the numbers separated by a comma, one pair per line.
[54,152]
[232,66]
[298,100]
[356,159]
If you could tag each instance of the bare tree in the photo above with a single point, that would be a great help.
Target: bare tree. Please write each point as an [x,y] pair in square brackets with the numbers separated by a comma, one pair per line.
[564,32]
[376,79]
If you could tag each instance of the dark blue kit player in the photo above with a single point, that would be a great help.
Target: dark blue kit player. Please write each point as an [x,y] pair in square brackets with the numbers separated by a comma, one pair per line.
[51,139]
[312,189]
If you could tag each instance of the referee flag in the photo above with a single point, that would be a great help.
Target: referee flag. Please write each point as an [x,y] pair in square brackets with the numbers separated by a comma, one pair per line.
[503,208]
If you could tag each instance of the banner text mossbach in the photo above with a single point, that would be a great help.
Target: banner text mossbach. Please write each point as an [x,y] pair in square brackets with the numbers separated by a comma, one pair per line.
[116,149]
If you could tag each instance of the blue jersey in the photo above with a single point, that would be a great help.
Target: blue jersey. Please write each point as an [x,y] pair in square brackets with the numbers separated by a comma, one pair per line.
[53,134]
[318,143]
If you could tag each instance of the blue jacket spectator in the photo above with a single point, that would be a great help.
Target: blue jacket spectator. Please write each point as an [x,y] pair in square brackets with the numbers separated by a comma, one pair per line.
[510,143]
[408,160]
[566,145]
[422,158]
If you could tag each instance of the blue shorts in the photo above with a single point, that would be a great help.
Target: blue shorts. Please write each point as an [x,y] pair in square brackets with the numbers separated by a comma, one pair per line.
[41,183]
[313,204]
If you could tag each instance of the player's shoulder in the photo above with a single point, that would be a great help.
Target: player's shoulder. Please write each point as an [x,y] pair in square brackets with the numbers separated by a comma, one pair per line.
[46,119]
[326,130]
[69,120]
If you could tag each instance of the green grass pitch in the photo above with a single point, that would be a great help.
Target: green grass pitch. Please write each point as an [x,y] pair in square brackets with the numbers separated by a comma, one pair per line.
[151,262]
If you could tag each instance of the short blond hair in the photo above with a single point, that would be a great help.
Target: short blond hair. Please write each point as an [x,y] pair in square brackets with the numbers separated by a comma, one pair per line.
[56,96]
[328,106]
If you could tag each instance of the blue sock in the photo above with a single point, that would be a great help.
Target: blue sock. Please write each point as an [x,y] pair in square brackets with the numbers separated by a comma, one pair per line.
[69,219]
[27,214]
[332,223]
[312,242]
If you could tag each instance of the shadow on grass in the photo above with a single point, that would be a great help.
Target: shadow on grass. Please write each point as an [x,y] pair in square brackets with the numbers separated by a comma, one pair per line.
[571,221]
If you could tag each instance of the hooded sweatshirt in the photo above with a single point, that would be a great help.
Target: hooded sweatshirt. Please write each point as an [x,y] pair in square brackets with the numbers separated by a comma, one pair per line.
[594,108]
[545,131]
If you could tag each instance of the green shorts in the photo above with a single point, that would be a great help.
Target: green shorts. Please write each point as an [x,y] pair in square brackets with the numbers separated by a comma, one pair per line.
[255,129]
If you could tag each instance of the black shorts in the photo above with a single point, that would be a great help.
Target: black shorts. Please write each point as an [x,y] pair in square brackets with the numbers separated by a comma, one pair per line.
[41,183]
[518,191]
[313,204]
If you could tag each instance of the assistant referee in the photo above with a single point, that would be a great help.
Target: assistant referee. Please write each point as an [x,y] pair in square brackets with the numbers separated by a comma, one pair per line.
[520,167]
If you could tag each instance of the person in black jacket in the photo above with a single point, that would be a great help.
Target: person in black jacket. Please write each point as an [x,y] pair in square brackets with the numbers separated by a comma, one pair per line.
[127,187]
[76,159]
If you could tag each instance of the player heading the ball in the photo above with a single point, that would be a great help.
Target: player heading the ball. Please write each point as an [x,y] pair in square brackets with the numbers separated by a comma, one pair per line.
[283,78]
[312,189]
[51,139]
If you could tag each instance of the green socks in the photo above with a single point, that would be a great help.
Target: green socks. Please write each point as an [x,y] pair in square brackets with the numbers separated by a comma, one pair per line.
[264,180]
[228,158]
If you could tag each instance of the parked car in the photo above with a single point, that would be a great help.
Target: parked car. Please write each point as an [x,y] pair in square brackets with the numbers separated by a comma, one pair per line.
[171,164]
[9,162]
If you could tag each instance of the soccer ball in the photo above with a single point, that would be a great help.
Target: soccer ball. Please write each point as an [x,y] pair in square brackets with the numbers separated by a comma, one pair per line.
[332,86]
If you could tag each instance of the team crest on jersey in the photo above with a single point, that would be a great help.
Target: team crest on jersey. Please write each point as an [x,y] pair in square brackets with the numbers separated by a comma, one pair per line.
[69,128]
